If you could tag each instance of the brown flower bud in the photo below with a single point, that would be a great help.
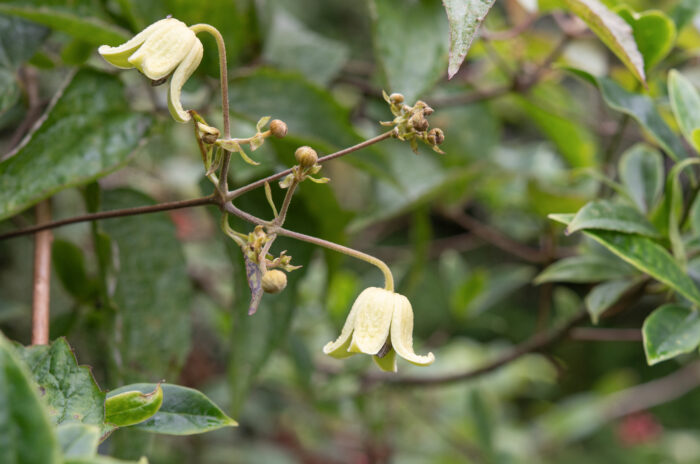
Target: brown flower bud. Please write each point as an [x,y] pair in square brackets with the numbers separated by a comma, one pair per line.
[209,138]
[436,136]
[278,128]
[306,156]
[396,98]
[274,281]
[418,122]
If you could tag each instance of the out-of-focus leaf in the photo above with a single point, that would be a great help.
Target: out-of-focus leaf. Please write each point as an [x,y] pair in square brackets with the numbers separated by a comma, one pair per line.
[26,433]
[584,269]
[642,109]
[654,33]
[290,45]
[19,40]
[129,406]
[184,411]
[464,18]
[78,440]
[685,102]
[69,264]
[604,214]
[603,296]
[103,460]
[669,331]
[642,172]
[674,207]
[410,44]
[77,52]
[81,19]
[684,12]
[644,254]
[613,31]
[484,423]
[87,133]
[69,389]
[152,295]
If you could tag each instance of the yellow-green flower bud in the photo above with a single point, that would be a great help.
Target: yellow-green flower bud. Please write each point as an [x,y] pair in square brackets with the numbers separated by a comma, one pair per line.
[395,98]
[274,281]
[306,156]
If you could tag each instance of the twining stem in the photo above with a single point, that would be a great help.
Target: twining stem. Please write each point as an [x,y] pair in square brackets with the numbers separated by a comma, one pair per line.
[42,277]
[223,70]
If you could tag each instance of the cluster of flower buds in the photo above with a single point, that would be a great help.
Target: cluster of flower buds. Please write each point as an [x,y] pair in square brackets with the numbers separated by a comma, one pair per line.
[411,123]
[305,169]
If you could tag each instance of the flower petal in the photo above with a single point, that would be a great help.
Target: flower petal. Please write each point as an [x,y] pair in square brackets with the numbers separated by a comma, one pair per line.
[164,49]
[339,348]
[118,56]
[402,332]
[180,76]
[387,362]
[373,320]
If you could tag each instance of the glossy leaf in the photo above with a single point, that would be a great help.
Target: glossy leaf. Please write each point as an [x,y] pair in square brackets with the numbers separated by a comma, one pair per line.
[184,411]
[69,389]
[685,102]
[669,331]
[654,33]
[87,133]
[464,18]
[584,269]
[613,31]
[78,440]
[641,170]
[79,19]
[605,295]
[674,208]
[642,109]
[410,44]
[604,214]
[152,293]
[26,433]
[129,406]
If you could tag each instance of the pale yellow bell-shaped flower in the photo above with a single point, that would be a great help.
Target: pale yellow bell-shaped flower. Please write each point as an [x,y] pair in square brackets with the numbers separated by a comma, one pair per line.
[380,323]
[166,46]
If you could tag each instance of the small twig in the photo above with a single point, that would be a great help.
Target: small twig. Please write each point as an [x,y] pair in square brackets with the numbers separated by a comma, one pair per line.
[511,33]
[210,200]
[590,334]
[42,277]
[282,216]
[468,98]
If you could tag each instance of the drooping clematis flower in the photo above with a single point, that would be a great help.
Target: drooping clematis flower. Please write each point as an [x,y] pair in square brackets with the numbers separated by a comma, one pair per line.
[380,323]
[166,46]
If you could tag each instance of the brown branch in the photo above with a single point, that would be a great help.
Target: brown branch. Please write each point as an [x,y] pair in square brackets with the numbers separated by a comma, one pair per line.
[591,334]
[42,277]
[210,200]
[510,33]
[472,97]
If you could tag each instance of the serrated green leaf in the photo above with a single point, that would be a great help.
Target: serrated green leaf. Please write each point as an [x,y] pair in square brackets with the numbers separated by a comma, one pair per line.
[26,433]
[641,108]
[604,214]
[642,172]
[184,411]
[464,18]
[669,331]
[685,102]
[584,269]
[153,291]
[78,440]
[604,296]
[128,406]
[613,31]
[87,133]
[79,19]
[68,388]
[410,44]
[654,33]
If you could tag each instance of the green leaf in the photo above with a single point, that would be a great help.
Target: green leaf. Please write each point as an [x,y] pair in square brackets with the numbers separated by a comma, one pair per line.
[654,33]
[103,460]
[184,411]
[644,254]
[86,134]
[69,389]
[684,12]
[410,44]
[584,269]
[669,331]
[685,102]
[613,31]
[78,440]
[642,109]
[290,45]
[464,18]
[19,40]
[79,19]
[604,296]
[642,172]
[26,434]
[69,264]
[604,214]
[129,406]
[674,207]
[153,291]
